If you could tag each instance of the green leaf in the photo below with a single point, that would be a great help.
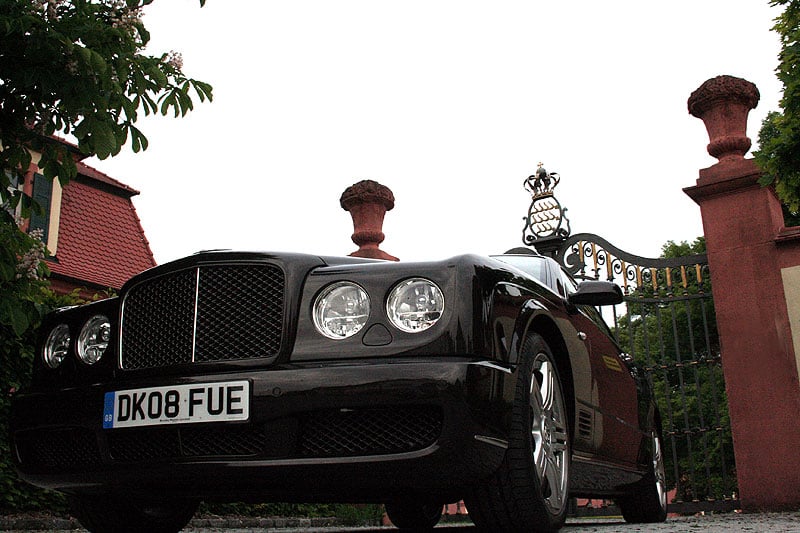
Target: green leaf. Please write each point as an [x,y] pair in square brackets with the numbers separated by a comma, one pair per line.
[85,55]
[104,140]
[158,76]
[204,90]
[14,316]
[138,140]
[68,170]
[167,102]
[51,169]
[121,137]
[7,270]
[83,128]
[149,104]
[98,63]
[185,102]
[129,107]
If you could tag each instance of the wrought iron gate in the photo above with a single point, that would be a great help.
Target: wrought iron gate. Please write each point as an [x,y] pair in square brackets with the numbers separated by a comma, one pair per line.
[667,324]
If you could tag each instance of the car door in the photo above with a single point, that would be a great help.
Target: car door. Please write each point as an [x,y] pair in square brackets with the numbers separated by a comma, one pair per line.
[613,416]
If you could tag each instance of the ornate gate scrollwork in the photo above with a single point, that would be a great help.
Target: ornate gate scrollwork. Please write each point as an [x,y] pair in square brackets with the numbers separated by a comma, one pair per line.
[588,256]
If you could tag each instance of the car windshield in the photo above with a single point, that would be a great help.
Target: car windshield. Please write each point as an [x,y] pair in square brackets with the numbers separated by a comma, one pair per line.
[532,265]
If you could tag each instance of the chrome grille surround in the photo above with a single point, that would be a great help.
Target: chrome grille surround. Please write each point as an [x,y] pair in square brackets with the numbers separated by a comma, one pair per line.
[213,312]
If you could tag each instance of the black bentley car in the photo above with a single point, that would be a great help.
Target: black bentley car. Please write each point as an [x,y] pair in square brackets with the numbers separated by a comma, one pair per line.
[229,376]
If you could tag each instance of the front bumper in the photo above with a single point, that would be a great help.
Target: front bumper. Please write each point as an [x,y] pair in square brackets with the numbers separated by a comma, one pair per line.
[362,430]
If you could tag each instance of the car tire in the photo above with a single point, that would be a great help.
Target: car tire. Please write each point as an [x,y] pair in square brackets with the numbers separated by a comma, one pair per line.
[101,514]
[413,514]
[648,503]
[530,490]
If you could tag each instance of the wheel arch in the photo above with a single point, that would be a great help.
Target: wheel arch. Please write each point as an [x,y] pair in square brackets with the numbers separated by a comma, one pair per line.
[543,325]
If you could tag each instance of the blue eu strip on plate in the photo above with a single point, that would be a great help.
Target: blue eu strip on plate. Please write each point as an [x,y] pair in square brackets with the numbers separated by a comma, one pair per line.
[108,411]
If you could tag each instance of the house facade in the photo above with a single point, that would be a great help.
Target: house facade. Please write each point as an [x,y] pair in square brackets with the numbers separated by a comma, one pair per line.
[94,237]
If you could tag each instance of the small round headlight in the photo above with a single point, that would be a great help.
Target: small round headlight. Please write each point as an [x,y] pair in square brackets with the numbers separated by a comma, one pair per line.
[56,347]
[415,305]
[341,310]
[94,338]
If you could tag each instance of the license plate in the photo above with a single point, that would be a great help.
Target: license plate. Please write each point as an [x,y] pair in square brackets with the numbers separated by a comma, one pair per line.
[227,401]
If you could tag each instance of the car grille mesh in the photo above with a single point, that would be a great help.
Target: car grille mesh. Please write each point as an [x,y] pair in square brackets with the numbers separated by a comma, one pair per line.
[69,449]
[158,322]
[239,313]
[321,434]
[136,445]
[211,313]
[234,440]
[369,432]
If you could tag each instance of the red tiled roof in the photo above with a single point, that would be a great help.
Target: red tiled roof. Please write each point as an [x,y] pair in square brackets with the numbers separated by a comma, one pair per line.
[100,238]
[86,170]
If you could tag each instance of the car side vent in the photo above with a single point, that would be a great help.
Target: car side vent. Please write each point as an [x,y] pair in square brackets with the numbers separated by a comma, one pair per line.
[584,424]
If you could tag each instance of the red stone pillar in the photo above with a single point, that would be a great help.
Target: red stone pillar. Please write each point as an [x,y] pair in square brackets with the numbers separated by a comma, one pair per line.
[367,201]
[742,221]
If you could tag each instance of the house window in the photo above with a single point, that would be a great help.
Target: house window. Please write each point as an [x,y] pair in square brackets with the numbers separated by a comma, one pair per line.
[47,195]
[42,195]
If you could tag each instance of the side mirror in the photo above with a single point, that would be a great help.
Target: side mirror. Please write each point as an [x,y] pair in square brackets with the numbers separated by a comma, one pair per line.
[596,293]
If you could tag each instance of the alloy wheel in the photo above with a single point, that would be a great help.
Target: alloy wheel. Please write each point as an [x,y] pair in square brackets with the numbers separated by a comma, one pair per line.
[549,433]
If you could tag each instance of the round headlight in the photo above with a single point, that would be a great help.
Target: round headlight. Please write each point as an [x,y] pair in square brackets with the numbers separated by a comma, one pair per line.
[56,347]
[341,310]
[415,305]
[94,338]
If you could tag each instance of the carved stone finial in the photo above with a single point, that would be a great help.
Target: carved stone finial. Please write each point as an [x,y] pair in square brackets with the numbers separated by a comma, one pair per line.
[367,201]
[723,103]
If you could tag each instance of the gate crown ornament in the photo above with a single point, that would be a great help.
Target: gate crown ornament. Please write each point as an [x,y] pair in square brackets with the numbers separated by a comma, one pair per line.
[546,218]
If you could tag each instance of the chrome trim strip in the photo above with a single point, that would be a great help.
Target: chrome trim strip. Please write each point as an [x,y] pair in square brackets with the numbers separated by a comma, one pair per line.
[500,443]
[493,366]
[119,331]
[194,321]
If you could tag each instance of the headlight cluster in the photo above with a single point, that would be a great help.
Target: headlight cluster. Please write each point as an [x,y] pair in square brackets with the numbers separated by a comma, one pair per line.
[56,347]
[92,342]
[415,305]
[343,308]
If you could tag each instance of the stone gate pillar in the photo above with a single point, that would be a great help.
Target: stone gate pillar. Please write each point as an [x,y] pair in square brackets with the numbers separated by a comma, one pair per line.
[747,255]
[367,201]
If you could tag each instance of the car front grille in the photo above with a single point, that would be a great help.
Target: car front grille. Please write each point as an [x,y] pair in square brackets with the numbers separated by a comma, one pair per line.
[208,313]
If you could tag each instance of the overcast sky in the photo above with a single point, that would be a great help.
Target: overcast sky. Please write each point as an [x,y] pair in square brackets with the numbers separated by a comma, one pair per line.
[451,104]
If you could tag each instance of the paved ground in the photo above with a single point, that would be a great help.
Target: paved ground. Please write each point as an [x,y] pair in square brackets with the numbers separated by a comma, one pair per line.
[723,523]
[777,522]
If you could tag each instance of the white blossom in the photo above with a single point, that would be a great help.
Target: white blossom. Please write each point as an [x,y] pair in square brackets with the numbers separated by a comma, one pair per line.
[48,8]
[174,59]
[28,266]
